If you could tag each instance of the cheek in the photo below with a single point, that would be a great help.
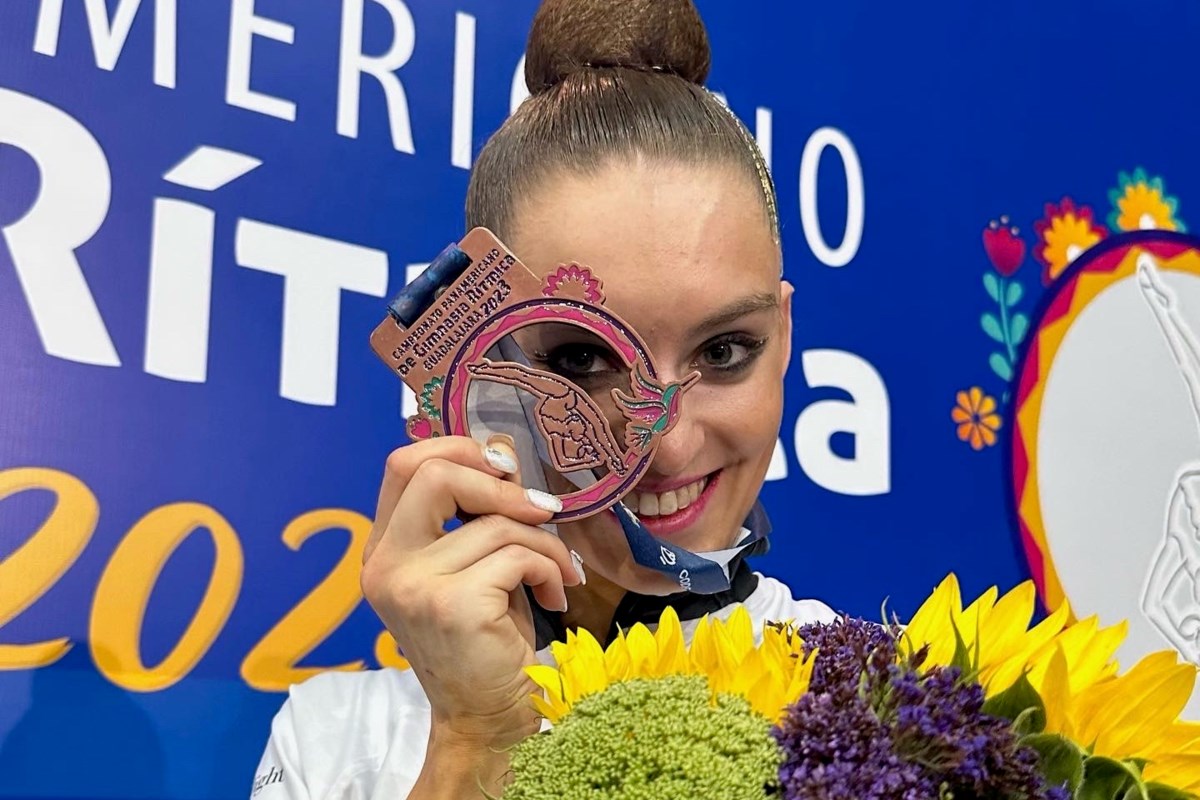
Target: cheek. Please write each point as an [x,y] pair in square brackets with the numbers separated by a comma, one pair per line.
[745,416]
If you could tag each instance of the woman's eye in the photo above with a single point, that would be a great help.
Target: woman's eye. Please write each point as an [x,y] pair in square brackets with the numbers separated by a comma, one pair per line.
[730,354]
[722,354]
[578,360]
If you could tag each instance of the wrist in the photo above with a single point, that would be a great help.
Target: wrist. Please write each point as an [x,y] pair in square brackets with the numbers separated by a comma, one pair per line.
[461,759]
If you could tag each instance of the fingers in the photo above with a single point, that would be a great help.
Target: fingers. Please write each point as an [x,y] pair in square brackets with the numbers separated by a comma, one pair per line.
[513,565]
[489,534]
[441,488]
[403,463]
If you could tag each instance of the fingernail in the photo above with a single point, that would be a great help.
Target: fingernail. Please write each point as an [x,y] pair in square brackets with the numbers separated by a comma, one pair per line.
[577,560]
[503,438]
[546,502]
[500,460]
[564,608]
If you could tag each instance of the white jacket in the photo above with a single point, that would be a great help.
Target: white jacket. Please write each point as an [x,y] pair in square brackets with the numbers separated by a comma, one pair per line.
[362,735]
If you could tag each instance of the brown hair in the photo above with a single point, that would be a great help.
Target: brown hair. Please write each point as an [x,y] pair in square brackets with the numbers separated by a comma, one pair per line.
[611,79]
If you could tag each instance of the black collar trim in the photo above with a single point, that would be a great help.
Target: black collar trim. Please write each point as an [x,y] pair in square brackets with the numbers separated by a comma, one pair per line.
[647,609]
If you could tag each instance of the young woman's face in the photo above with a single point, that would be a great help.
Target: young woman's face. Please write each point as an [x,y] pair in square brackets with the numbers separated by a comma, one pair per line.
[688,260]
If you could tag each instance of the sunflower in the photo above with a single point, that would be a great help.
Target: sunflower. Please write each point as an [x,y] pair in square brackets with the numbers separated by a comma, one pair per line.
[1063,234]
[976,417]
[995,631]
[1129,716]
[770,676]
[1073,669]
[1141,202]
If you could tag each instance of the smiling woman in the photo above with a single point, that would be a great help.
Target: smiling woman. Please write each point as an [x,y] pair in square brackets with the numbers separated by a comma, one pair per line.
[621,161]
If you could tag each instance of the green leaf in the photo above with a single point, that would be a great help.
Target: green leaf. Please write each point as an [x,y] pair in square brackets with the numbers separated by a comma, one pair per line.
[1106,779]
[991,326]
[1061,759]
[1160,791]
[1015,701]
[1013,295]
[1030,721]
[992,285]
[962,655]
[1000,366]
[1018,326]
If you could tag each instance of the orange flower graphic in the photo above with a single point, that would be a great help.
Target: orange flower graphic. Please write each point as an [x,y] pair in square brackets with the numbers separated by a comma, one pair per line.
[976,417]
[1063,234]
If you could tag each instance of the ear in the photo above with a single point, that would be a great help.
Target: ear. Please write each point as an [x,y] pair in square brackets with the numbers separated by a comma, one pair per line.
[785,313]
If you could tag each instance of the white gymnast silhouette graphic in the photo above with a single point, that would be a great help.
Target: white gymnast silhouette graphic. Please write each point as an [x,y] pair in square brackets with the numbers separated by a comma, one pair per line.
[1171,590]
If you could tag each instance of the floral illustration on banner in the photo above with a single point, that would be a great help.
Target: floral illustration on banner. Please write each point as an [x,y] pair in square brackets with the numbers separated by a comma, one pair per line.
[1141,202]
[1063,234]
[1007,327]
[976,417]
[1066,231]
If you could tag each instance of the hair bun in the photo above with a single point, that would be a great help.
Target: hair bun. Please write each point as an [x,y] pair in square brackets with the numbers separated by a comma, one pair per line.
[570,35]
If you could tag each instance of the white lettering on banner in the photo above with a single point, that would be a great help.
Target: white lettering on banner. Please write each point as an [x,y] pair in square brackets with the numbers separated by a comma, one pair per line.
[108,37]
[810,159]
[181,262]
[352,64]
[463,118]
[777,470]
[867,416]
[311,299]
[244,25]
[76,188]
[180,294]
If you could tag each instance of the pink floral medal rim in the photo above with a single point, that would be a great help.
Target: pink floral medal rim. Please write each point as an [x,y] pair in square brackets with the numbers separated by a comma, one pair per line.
[610,488]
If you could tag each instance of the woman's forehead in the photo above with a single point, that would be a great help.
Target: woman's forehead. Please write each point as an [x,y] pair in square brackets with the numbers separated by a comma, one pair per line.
[661,237]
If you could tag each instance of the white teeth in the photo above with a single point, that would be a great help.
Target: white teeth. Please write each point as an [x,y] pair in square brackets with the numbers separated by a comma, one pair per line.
[647,504]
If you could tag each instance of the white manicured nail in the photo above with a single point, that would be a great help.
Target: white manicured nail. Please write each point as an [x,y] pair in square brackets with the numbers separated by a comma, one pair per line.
[577,560]
[546,502]
[500,460]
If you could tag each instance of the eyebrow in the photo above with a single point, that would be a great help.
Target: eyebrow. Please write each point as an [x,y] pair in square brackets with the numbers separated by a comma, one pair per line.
[765,301]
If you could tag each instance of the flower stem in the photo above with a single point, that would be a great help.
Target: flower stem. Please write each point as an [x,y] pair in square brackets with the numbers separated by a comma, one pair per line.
[1012,353]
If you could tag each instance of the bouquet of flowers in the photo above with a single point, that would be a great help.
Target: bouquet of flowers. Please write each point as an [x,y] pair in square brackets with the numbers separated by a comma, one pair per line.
[963,702]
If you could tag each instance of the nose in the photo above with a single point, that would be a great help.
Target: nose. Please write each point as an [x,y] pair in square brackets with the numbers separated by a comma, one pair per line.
[679,449]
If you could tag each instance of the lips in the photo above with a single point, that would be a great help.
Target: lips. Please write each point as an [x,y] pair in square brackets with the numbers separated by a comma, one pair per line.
[656,512]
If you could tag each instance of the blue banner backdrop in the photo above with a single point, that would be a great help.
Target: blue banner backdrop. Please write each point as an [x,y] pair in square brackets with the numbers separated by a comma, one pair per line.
[203,206]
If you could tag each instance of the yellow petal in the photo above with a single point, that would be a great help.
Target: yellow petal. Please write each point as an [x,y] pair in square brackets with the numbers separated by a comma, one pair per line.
[643,651]
[1001,673]
[547,678]
[1007,624]
[741,631]
[1181,771]
[931,624]
[1055,691]
[974,616]
[1139,706]
[672,653]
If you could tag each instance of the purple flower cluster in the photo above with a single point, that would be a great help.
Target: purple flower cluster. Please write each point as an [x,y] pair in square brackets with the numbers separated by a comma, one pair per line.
[872,729]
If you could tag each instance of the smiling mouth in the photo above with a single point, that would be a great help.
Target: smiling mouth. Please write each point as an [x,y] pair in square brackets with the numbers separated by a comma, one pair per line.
[664,504]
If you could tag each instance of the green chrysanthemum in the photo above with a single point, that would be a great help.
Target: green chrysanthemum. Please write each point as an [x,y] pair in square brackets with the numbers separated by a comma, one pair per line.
[650,739]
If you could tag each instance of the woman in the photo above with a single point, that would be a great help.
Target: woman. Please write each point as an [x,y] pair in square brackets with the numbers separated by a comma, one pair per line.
[622,161]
